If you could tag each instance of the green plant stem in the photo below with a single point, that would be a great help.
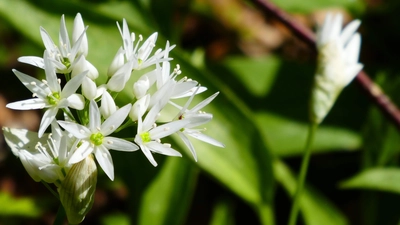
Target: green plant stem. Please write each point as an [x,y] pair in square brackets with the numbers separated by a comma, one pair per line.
[303,173]
[60,217]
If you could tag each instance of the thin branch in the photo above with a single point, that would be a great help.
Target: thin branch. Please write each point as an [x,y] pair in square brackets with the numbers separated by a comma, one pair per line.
[371,89]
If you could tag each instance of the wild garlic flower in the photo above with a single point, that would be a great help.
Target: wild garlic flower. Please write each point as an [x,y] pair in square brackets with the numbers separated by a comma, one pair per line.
[95,137]
[48,94]
[44,158]
[196,117]
[66,54]
[149,134]
[338,52]
[141,56]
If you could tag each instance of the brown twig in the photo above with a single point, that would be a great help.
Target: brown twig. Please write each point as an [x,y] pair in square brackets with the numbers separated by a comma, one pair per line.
[371,89]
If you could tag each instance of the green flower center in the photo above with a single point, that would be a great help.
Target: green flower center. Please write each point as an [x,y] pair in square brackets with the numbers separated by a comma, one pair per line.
[97,138]
[145,137]
[66,62]
[53,98]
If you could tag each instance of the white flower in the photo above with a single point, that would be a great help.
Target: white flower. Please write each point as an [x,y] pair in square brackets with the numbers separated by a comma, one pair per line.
[139,107]
[44,158]
[148,135]
[338,52]
[65,55]
[95,137]
[118,80]
[141,55]
[196,118]
[108,106]
[48,94]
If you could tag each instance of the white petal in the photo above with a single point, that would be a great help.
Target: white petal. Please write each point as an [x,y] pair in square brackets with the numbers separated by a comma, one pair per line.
[47,41]
[51,76]
[78,29]
[47,118]
[115,120]
[167,129]
[79,66]
[104,159]
[33,84]
[348,31]
[33,103]
[162,149]
[204,103]
[117,62]
[32,60]
[198,119]
[204,138]
[139,108]
[89,88]
[108,106]
[93,72]
[72,85]
[353,49]
[19,139]
[63,36]
[76,101]
[147,47]
[119,144]
[148,155]
[94,116]
[75,129]
[84,150]
[188,144]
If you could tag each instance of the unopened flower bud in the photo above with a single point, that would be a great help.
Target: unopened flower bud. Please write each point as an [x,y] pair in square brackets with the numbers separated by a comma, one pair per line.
[78,188]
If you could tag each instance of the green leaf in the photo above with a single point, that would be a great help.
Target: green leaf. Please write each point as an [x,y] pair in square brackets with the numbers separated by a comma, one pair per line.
[256,74]
[22,206]
[287,137]
[380,179]
[316,208]
[167,199]
[223,213]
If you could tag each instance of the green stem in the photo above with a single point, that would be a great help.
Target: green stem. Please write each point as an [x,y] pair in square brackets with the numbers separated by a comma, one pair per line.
[69,114]
[303,172]
[125,125]
[60,217]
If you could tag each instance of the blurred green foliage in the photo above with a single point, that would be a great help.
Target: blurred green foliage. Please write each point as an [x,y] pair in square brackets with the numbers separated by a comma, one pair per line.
[260,115]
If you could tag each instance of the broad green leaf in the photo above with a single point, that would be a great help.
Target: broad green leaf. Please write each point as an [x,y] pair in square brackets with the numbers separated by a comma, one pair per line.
[21,206]
[380,179]
[167,199]
[223,213]
[256,74]
[316,208]
[309,6]
[287,137]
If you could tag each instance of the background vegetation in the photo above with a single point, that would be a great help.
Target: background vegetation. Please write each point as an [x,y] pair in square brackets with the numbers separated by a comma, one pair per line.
[264,74]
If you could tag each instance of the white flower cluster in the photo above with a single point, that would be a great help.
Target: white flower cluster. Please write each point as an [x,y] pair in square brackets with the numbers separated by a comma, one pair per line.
[338,52]
[84,116]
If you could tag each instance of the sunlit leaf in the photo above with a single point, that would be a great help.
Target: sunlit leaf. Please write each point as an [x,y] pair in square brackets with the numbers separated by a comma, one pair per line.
[256,74]
[380,179]
[287,137]
[167,199]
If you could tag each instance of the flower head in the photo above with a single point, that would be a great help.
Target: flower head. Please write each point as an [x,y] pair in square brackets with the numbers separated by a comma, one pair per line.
[95,137]
[338,52]
[48,94]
